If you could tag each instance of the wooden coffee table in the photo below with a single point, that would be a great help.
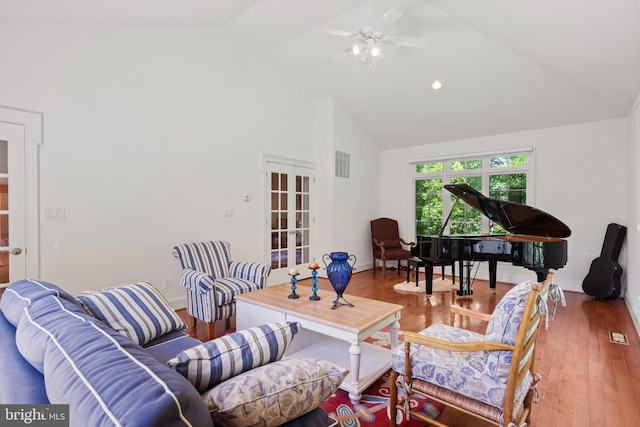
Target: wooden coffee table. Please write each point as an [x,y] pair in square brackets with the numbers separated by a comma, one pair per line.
[334,335]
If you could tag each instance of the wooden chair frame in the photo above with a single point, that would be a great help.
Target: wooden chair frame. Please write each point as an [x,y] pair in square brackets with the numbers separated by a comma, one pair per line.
[378,245]
[523,361]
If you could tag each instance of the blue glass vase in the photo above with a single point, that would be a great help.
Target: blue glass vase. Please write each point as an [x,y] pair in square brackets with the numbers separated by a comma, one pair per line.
[339,273]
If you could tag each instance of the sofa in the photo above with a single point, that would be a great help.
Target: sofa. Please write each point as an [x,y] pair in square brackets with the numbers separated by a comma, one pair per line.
[119,356]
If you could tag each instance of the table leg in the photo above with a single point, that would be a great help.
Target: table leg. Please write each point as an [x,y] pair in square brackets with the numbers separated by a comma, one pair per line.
[355,351]
[394,328]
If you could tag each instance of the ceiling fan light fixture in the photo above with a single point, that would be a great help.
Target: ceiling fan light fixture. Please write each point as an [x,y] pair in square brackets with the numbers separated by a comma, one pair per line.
[375,51]
[365,57]
[356,49]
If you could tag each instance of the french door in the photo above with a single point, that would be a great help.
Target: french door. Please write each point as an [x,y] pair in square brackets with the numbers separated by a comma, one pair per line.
[12,203]
[290,217]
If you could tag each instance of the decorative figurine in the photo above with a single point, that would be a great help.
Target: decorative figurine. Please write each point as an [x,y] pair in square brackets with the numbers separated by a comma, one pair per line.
[293,273]
[314,280]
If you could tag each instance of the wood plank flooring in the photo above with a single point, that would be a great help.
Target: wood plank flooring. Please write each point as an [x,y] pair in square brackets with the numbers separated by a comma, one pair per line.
[586,379]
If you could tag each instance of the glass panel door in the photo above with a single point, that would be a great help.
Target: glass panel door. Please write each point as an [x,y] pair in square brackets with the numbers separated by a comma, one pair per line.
[289,216]
[4,212]
[12,204]
[279,211]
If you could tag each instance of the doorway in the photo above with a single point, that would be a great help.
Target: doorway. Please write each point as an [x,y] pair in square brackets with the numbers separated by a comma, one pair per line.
[20,137]
[290,213]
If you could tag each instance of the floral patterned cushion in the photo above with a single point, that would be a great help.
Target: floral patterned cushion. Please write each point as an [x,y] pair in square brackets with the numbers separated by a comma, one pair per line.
[273,394]
[503,327]
[462,372]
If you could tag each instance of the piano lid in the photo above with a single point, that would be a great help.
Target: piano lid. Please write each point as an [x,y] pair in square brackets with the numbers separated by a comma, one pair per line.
[514,217]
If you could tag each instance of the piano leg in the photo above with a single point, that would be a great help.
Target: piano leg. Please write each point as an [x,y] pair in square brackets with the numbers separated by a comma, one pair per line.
[493,273]
[428,271]
[465,282]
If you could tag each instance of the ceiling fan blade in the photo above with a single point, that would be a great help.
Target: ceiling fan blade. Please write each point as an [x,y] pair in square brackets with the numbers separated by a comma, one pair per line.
[387,20]
[336,32]
[405,41]
[342,54]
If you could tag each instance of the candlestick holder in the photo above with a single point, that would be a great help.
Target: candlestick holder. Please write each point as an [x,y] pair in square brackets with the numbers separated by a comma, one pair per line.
[314,281]
[293,294]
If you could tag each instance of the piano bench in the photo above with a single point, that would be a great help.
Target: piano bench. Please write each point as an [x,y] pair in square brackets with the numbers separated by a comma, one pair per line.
[416,263]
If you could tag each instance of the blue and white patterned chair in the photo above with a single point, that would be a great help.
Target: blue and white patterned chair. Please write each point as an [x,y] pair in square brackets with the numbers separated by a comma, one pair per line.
[489,376]
[213,280]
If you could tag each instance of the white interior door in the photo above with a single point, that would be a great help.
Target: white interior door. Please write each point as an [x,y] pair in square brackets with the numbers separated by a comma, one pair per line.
[289,219]
[13,264]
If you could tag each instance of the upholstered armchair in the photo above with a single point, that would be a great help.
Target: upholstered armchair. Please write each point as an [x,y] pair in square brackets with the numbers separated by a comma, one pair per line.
[387,244]
[213,280]
[490,376]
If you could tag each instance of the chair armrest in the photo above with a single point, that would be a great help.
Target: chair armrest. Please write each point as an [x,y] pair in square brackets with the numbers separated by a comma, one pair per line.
[196,281]
[378,243]
[412,244]
[456,309]
[249,270]
[415,338]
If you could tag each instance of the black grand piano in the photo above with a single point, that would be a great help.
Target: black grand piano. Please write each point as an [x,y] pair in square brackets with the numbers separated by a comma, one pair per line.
[534,240]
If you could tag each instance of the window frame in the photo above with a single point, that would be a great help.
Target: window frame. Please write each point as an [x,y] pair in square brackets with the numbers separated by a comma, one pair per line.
[484,172]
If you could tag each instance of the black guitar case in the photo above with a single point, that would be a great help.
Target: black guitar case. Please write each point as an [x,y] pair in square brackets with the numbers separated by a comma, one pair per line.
[603,280]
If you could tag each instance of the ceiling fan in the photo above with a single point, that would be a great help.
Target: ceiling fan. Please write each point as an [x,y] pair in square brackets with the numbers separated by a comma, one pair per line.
[370,38]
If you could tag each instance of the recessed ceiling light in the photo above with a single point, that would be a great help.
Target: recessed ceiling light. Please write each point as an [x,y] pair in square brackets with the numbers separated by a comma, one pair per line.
[436,85]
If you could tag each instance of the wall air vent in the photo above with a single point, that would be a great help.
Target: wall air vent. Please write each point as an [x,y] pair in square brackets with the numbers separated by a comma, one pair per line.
[343,167]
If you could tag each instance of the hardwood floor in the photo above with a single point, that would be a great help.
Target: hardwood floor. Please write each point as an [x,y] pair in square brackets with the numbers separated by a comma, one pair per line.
[586,379]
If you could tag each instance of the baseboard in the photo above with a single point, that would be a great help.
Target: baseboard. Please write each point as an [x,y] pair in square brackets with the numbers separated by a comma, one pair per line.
[633,315]
[178,303]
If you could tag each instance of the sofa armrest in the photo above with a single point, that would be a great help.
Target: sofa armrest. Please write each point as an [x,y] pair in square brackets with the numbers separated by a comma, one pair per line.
[196,281]
[21,382]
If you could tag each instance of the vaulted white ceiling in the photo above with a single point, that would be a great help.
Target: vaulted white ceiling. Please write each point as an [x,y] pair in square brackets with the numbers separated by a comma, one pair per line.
[505,65]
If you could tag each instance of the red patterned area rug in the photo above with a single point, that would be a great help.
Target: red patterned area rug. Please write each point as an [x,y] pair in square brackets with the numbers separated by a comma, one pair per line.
[373,408]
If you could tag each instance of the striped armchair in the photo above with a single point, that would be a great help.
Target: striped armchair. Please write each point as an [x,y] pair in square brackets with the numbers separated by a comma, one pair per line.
[213,280]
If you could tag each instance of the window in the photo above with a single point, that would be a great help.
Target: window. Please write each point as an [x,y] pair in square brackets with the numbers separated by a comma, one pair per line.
[499,176]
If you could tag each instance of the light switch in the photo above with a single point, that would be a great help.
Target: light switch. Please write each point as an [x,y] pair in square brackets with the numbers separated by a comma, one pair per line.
[228,213]
[54,213]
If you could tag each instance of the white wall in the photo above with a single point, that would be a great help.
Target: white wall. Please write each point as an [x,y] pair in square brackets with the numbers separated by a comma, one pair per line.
[346,204]
[150,134]
[142,130]
[356,199]
[632,292]
[580,179]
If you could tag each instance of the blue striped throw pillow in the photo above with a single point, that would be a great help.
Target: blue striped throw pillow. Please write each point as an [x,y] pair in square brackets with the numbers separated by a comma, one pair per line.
[213,362]
[137,311]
